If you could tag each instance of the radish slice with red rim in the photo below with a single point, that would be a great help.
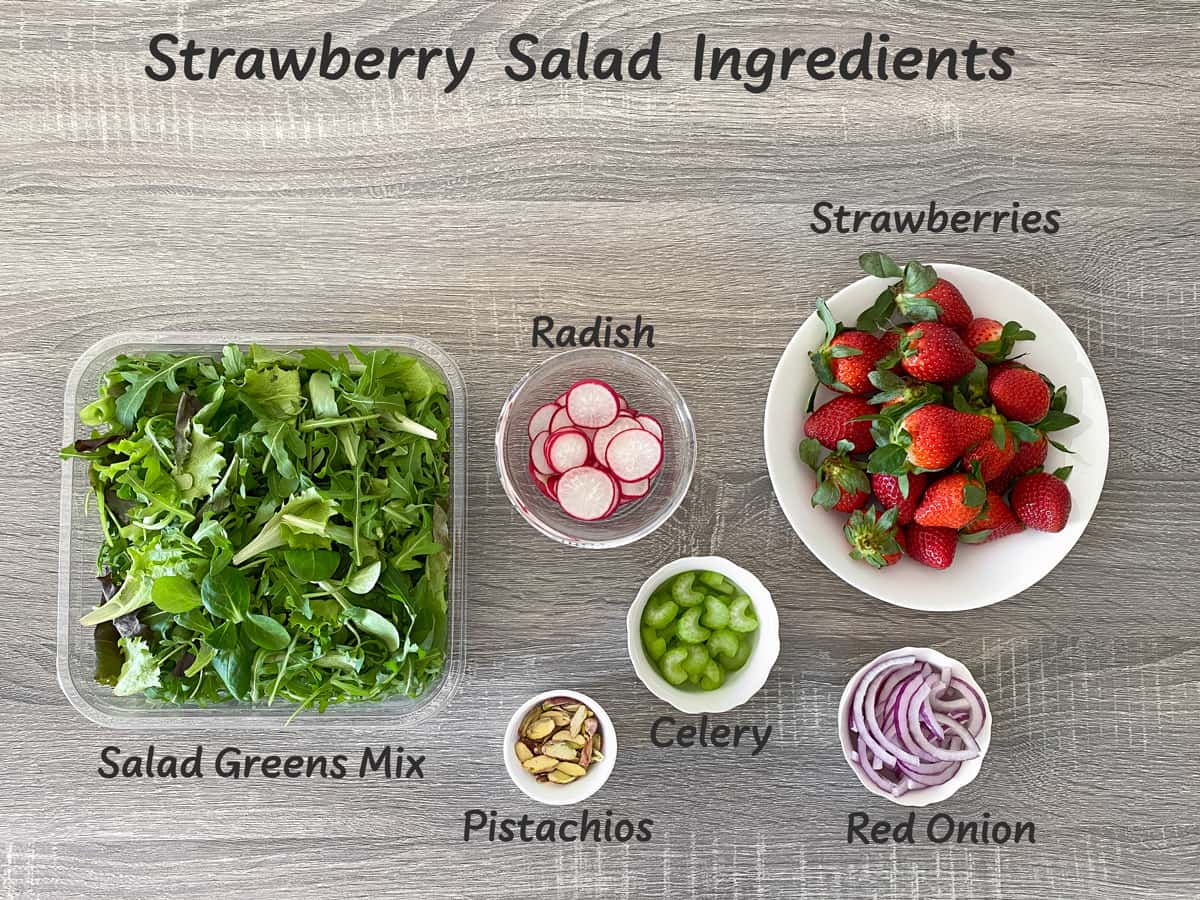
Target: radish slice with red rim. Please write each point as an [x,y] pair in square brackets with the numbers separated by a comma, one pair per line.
[537,454]
[567,449]
[634,454]
[587,493]
[592,404]
[608,432]
[545,483]
[540,420]
[652,425]
[634,490]
[560,420]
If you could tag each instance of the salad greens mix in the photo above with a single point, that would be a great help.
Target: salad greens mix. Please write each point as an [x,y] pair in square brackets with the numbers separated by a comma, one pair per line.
[274,525]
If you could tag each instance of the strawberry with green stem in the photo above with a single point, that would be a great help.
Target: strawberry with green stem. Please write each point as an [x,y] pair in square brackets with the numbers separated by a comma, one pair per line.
[930,351]
[996,521]
[952,502]
[991,341]
[874,537]
[902,492]
[928,438]
[919,293]
[847,357]
[842,483]
[895,390]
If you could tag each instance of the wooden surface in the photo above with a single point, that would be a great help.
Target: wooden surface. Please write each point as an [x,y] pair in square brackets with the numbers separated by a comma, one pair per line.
[351,207]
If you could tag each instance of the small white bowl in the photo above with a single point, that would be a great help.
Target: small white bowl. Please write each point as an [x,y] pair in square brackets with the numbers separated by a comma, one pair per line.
[739,686]
[560,794]
[966,772]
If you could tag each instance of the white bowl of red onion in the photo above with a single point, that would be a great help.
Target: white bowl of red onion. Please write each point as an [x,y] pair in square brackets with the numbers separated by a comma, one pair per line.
[914,726]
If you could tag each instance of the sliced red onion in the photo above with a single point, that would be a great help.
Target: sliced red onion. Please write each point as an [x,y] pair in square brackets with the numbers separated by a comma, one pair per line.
[867,725]
[932,751]
[914,723]
[880,781]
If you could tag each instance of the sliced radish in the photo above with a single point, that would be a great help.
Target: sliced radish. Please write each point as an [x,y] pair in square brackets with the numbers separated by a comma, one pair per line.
[561,399]
[540,420]
[587,493]
[561,420]
[633,490]
[545,483]
[537,454]
[592,404]
[568,449]
[606,434]
[634,454]
[652,425]
[621,402]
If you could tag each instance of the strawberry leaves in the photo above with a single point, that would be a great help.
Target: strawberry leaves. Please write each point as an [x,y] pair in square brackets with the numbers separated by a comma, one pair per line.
[1001,347]
[822,357]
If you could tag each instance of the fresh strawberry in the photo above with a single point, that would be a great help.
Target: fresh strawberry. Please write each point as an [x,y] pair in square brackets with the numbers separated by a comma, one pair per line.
[889,491]
[933,352]
[993,457]
[842,483]
[931,546]
[846,359]
[951,502]
[991,341]
[1028,457]
[895,391]
[834,422]
[996,521]
[889,341]
[931,437]
[920,294]
[953,309]
[873,537]
[1042,501]
[1019,393]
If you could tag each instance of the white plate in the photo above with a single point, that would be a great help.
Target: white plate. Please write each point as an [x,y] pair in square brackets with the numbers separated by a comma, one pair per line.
[984,574]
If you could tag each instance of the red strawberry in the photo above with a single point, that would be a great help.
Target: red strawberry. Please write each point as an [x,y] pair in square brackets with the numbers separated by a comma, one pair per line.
[887,491]
[873,537]
[991,341]
[834,422]
[1042,501]
[953,309]
[890,342]
[996,521]
[842,483]
[1019,393]
[895,390]
[933,547]
[1028,457]
[854,371]
[846,359]
[951,502]
[993,458]
[933,352]
[934,436]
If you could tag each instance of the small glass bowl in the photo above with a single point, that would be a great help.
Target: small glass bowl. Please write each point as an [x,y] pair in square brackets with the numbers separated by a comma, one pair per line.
[648,391]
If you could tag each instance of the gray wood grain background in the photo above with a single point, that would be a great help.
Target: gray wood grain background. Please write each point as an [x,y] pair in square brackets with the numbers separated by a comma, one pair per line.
[350,207]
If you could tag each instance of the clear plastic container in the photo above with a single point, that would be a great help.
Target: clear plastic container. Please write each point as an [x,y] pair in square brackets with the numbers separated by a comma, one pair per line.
[79,539]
